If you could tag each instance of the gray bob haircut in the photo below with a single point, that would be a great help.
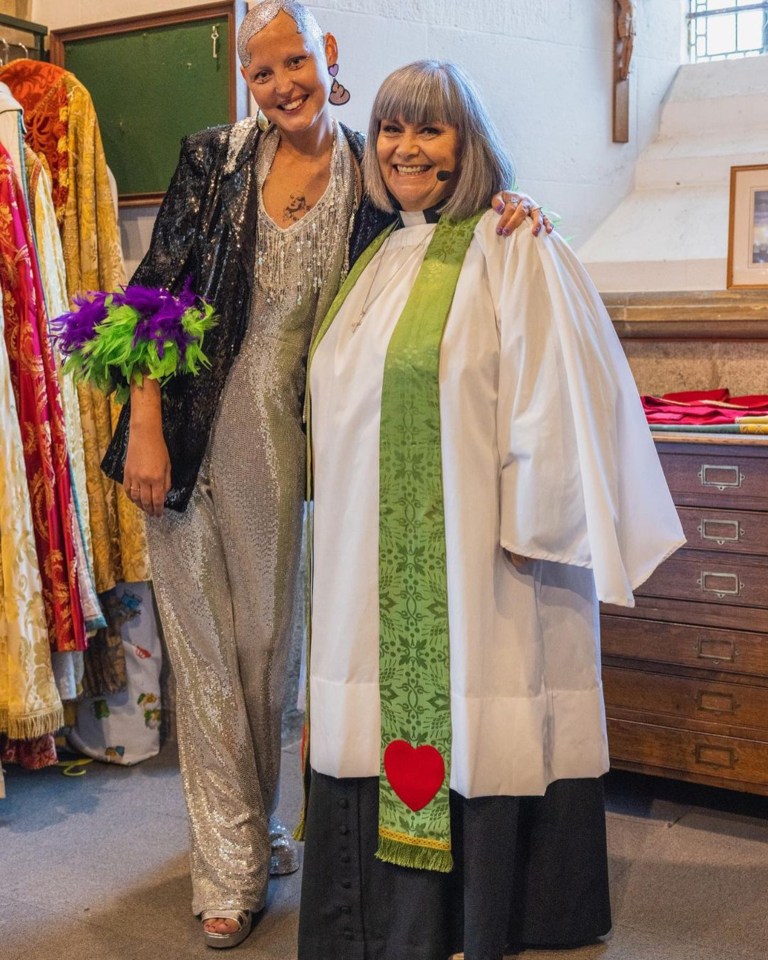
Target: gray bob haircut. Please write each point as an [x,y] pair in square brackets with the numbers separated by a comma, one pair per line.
[264,12]
[436,90]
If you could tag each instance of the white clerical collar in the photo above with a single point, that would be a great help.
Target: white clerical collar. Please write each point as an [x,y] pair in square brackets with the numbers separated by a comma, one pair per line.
[412,218]
[417,218]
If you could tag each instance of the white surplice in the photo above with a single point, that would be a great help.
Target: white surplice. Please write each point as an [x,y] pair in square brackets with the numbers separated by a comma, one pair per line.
[545,452]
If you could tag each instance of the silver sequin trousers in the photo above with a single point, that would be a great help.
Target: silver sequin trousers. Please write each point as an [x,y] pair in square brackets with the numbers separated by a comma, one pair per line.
[226,569]
[225,575]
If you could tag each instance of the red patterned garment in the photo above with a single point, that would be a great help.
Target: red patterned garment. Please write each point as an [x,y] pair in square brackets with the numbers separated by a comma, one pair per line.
[703,407]
[36,389]
[32,754]
[41,90]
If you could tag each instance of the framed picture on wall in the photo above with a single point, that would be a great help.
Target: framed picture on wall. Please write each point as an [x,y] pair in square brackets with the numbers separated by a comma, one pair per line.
[748,227]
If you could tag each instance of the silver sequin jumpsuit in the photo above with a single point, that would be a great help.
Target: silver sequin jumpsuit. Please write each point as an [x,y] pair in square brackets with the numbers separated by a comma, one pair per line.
[225,570]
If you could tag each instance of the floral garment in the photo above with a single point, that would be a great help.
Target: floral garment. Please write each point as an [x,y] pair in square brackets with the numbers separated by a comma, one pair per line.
[29,702]
[36,389]
[62,127]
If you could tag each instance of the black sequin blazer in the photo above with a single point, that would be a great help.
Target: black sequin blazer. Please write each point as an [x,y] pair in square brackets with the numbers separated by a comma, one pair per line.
[206,230]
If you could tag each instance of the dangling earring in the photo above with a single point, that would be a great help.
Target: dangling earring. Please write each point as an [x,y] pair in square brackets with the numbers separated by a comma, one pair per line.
[339,95]
[261,121]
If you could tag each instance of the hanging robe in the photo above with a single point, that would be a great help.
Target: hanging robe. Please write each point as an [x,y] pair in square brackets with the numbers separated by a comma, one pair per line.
[68,665]
[29,701]
[36,390]
[94,261]
[62,125]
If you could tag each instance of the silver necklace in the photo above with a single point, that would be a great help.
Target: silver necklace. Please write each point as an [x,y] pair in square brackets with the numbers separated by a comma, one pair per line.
[370,297]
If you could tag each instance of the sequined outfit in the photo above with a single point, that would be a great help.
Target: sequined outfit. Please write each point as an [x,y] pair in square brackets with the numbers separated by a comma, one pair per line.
[225,559]
[207,231]
[228,632]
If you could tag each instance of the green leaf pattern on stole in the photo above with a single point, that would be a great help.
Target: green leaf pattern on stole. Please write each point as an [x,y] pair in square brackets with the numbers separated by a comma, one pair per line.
[414,655]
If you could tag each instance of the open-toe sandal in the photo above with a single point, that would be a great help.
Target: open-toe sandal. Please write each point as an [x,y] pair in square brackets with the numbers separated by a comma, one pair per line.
[221,941]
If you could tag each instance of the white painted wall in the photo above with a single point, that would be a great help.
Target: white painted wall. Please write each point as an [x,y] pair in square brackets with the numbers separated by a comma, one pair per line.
[544,67]
[57,14]
[671,231]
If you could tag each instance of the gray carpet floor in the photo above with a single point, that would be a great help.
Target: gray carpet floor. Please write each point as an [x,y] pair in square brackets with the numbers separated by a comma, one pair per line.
[95,868]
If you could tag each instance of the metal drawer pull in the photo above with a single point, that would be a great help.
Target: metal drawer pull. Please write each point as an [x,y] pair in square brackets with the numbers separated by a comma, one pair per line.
[715,756]
[721,584]
[712,475]
[723,531]
[716,702]
[716,650]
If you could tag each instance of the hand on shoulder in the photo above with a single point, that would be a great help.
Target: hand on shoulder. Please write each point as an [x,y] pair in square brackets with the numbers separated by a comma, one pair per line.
[514,209]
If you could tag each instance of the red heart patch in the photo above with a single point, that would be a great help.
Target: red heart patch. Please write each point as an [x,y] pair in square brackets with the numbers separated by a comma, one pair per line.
[415,773]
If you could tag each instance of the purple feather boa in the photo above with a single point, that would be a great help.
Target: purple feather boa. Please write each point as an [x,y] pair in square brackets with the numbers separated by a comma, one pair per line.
[160,314]
[73,330]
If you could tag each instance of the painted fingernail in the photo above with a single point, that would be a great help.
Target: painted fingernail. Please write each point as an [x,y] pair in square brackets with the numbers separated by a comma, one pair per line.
[507,231]
[499,231]
[499,208]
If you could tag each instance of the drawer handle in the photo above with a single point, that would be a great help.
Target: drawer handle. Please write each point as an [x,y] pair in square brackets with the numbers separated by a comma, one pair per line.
[721,584]
[720,476]
[723,531]
[716,650]
[715,756]
[716,702]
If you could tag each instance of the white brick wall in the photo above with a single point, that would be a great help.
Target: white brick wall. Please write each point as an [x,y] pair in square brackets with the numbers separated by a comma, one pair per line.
[671,231]
[544,67]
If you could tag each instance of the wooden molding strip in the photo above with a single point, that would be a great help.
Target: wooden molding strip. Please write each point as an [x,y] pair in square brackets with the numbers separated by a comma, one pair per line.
[673,440]
[690,315]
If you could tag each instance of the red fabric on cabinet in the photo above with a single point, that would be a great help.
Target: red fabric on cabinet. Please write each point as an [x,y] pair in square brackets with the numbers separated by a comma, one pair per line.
[703,406]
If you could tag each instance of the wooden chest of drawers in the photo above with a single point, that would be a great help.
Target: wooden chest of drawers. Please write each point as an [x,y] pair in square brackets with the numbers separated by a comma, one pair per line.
[686,671]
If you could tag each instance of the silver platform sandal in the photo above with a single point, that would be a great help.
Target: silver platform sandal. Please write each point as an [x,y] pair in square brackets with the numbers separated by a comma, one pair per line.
[221,941]
[284,857]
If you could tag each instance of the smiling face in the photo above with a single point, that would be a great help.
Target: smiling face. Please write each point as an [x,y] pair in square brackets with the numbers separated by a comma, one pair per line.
[288,76]
[411,155]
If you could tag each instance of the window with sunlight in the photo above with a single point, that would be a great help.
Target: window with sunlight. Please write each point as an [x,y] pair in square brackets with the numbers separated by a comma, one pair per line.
[726,29]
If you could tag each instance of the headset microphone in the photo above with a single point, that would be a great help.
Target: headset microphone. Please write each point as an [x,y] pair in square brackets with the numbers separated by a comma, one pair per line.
[443,175]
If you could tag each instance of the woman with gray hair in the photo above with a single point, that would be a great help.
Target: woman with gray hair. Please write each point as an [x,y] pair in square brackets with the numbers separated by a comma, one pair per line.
[263,224]
[482,475]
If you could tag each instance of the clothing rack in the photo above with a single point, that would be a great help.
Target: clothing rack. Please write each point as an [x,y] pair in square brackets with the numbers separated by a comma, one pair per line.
[37,51]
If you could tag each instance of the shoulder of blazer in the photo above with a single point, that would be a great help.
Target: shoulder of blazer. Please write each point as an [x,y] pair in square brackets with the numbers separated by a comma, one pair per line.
[234,144]
[356,141]
[228,146]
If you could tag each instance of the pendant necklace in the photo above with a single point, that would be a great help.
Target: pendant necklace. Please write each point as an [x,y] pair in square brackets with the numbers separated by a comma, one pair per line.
[370,297]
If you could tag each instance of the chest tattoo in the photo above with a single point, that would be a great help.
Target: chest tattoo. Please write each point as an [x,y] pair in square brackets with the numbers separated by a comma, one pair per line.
[297,207]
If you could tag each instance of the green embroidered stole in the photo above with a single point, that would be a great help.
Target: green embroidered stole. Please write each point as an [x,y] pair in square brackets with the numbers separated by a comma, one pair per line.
[414,661]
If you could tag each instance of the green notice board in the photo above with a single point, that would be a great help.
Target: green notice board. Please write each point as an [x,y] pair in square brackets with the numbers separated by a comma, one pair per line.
[150,88]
